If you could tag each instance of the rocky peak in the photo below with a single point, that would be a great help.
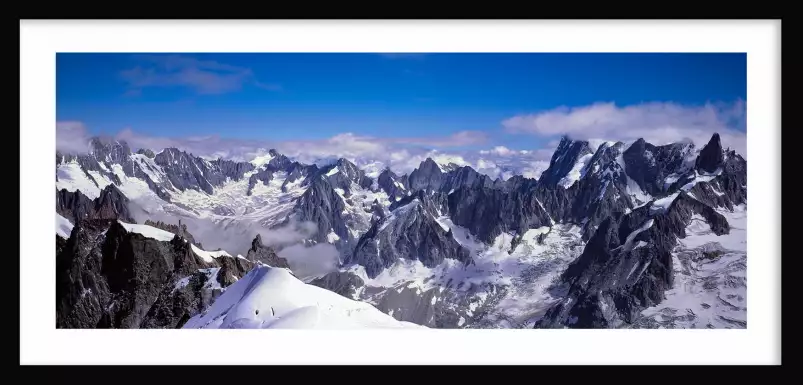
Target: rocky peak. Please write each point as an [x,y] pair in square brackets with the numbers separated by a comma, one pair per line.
[387,175]
[343,173]
[427,176]
[391,184]
[180,230]
[410,231]
[642,167]
[604,159]
[111,204]
[711,156]
[322,205]
[108,150]
[231,169]
[626,266]
[464,176]
[264,254]
[147,152]
[566,156]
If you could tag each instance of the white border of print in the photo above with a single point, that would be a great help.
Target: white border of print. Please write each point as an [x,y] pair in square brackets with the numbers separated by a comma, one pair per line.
[42,343]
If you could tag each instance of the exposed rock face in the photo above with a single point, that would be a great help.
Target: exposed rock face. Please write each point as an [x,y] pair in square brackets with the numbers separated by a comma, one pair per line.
[180,229]
[627,265]
[321,205]
[410,232]
[278,163]
[568,153]
[711,156]
[186,171]
[488,212]
[297,171]
[110,278]
[264,175]
[602,190]
[427,176]
[74,205]
[147,152]
[263,254]
[464,176]
[231,169]
[170,170]
[111,204]
[441,308]
[341,282]
[343,173]
[61,243]
[391,184]
[650,166]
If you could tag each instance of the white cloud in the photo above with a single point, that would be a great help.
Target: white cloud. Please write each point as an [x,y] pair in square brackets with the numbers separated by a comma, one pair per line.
[401,154]
[311,261]
[502,151]
[72,137]
[658,123]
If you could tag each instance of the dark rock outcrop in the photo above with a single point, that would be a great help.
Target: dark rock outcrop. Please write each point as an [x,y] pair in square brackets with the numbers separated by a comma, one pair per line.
[626,266]
[488,212]
[147,152]
[464,176]
[391,184]
[111,204]
[107,277]
[343,173]
[186,171]
[321,205]
[410,232]
[650,166]
[180,229]
[341,282]
[711,156]
[564,159]
[263,254]
[427,176]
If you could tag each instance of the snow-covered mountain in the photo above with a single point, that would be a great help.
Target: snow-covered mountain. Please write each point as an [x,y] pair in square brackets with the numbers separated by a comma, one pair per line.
[614,235]
[272,298]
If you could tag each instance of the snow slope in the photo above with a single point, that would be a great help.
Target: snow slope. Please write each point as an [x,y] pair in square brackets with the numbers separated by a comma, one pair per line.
[710,287]
[148,231]
[63,226]
[272,298]
[166,236]
[576,172]
[501,288]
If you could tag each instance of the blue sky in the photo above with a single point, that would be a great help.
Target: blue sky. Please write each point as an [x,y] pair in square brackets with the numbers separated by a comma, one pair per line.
[519,101]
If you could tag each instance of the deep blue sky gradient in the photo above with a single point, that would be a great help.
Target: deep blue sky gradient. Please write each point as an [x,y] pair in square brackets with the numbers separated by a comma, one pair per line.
[323,95]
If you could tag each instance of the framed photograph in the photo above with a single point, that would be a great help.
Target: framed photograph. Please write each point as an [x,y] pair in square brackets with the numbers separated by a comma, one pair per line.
[430,190]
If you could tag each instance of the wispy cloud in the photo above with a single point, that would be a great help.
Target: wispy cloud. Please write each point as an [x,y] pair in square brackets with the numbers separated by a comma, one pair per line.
[657,122]
[71,137]
[402,154]
[458,139]
[206,77]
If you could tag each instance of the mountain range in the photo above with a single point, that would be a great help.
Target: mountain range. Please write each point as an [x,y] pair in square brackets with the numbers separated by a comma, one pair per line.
[619,235]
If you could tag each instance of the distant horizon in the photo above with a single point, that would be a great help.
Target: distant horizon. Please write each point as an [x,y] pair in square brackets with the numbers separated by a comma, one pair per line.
[493,111]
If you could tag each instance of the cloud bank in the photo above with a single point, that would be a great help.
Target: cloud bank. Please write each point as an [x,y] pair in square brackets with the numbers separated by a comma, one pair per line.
[658,123]
[235,237]
[72,137]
